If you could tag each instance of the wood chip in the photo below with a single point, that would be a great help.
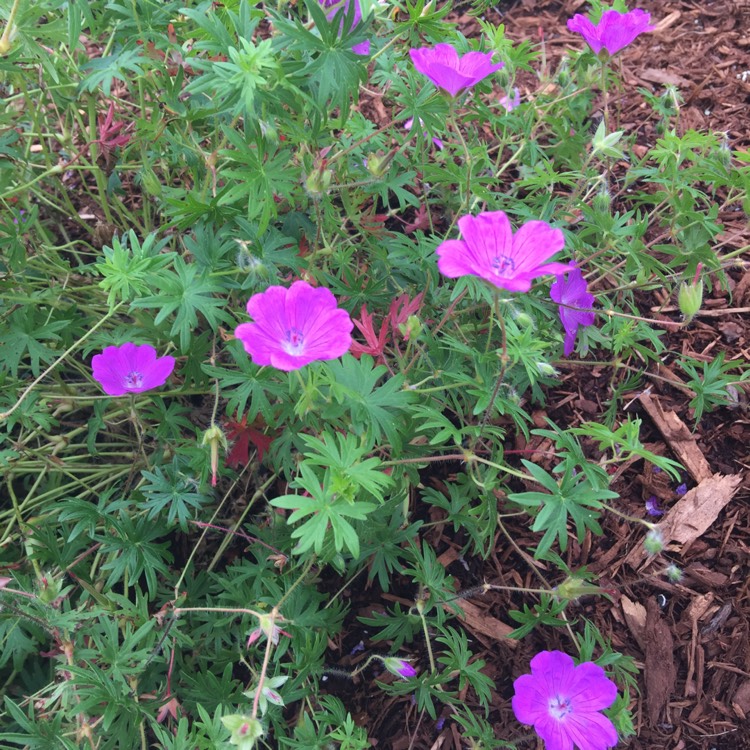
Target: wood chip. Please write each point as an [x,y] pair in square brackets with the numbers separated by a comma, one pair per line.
[476,619]
[678,437]
[694,513]
[660,668]
[635,617]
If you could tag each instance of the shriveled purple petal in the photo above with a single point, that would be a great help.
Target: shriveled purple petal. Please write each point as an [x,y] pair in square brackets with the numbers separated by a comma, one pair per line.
[295,326]
[571,293]
[614,31]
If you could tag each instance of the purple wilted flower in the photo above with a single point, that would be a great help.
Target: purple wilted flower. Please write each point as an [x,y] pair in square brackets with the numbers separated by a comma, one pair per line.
[510,103]
[363,48]
[681,489]
[130,369]
[399,667]
[409,124]
[563,702]
[571,293]
[20,219]
[490,250]
[295,326]
[614,31]
[440,723]
[442,65]
[652,506]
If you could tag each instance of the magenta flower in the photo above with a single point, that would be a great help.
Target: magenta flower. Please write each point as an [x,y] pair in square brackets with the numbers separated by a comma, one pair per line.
[399,667]
[442,65]
[491,251]
[614,31]
[363,48]
[563,702]
[130,369]
[295,326]
[571,293]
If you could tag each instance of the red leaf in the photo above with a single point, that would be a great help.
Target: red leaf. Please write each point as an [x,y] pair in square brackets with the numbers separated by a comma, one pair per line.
[375,342]
[242,434]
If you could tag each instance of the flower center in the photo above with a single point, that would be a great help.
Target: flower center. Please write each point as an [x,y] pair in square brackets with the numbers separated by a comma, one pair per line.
[559,707]
[294,342]
[502,265]
[134,379]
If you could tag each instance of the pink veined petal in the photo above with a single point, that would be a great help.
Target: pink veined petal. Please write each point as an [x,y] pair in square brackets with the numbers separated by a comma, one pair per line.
[288,362]
[534,243]
[440,54]
[554,733]
[257,342]
[591,690]
[268,309]
[454,259]
[530,702]
[581,25]
[478,65]
[489,236]
[618,30]
[592,731]
[447,78]
[331,340]
[553,669]
[142,356]
[156,373]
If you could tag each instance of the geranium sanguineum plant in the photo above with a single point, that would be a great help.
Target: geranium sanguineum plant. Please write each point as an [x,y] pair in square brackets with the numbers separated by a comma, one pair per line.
[563,702]
[489,249]
[570,293]
[130,369]
[442,65]
[614,31]
[295,326]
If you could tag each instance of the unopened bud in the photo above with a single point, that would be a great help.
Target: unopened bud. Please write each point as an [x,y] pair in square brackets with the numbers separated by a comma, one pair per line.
[399,667]
[546,370]
[690,299]
[673,573]
[412,327]
[245,730]
[213,437]
[602,201]
[573,588]
[49,588]
[318,182]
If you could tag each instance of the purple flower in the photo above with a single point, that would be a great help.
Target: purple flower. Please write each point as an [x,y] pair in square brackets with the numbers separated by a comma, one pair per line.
[409,124]
[130,369]
[295,326]
[442,65]
[571,293]
[20,219]
[511,103]
[614,31]
[652,506]
[563,702]
[399,667]
[363,48]
[681,489]
[491,251]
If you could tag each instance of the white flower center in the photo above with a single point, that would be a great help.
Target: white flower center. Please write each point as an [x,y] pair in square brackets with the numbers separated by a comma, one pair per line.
[134,379]
[294,342]
[559,707]
[502,265]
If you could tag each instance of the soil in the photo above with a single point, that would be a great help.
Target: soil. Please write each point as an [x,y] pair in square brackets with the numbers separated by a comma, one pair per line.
[691,639]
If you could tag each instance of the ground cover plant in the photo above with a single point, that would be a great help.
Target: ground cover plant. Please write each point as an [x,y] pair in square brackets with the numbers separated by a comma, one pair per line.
[292,299]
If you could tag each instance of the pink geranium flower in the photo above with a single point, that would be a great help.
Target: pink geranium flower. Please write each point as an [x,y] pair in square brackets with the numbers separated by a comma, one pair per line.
[490,250]
[442,65]
[571,293]
[295,326]
[130,369]
[508,102]
[363,48]
[614,31]
[563,702]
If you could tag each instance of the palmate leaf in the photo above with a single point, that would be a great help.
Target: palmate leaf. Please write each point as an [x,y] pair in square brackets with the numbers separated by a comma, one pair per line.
[370,406]
[27,329]
[186,291]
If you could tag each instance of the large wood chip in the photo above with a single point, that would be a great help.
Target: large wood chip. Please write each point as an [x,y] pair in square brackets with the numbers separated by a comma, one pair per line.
[678,437]
[694,513]
[635,617]
[661,673]
[475,619]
